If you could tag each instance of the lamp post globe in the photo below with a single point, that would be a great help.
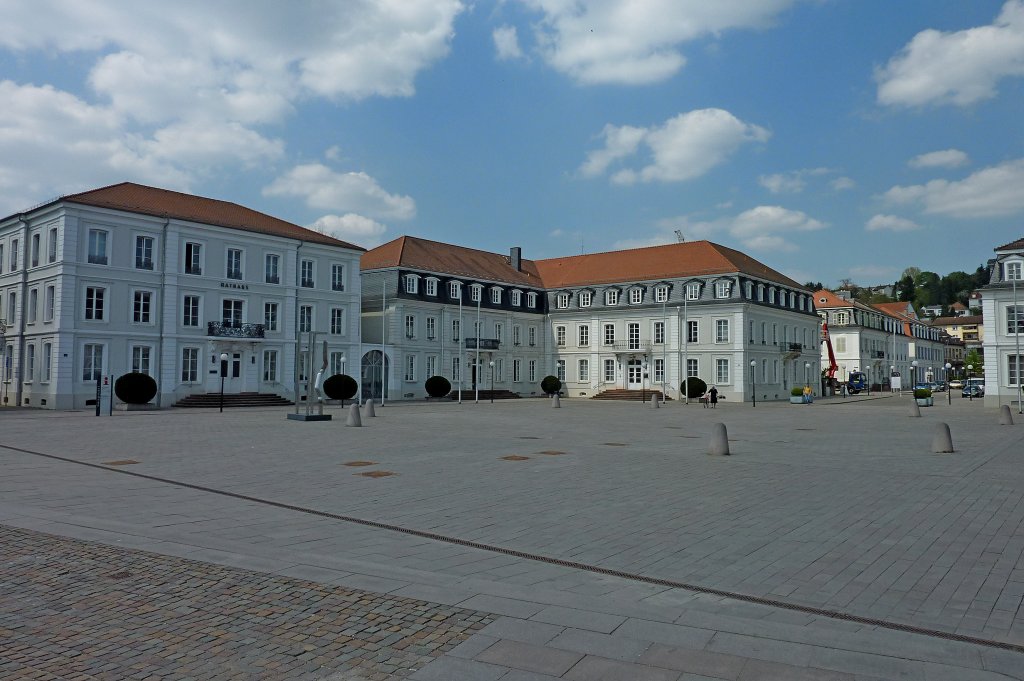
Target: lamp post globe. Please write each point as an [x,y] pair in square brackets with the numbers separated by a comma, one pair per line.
[949,391]
[753,384]
[913,374]
[223,375]
[491,364]
[970,388]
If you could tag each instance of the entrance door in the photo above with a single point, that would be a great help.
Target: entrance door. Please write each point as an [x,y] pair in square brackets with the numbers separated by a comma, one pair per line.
[634,374]
[234,383]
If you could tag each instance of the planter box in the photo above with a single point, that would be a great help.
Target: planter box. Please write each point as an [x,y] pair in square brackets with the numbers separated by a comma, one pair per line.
[794,399]
[924,401]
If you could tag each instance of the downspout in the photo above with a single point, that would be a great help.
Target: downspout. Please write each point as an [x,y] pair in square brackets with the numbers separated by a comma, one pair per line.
[163,293]
[295,327]
[24,262]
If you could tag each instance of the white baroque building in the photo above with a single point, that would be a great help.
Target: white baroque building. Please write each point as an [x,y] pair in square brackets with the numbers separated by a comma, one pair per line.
[1003,313]
[134,278]
[634,319]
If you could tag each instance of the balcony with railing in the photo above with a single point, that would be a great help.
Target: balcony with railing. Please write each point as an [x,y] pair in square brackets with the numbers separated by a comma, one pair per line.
[234,330]
[484,344]
[630,346]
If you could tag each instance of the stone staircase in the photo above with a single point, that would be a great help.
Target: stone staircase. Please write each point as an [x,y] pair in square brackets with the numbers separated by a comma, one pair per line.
[629,395]
[212,400]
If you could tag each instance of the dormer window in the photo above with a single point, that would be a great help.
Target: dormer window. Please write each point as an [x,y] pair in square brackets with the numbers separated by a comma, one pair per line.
[636,296]
[693,291]
[455,290]
[585,298]
[661,294]
[562,301]
[516,297]
[842,318]
[475,292]
[722,289]
[611,296]
[1013,270]
[412,283]
[431,286]
[771,296]
[750,290]
[531,299]
[496,295]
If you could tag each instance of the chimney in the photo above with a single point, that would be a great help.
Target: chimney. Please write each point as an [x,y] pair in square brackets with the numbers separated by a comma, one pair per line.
[516,258]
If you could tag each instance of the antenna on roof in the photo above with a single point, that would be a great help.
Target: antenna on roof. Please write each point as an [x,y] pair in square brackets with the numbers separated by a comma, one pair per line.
[679,236]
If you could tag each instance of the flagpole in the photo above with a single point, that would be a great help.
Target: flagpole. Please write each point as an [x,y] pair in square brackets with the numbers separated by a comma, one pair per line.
[476,367]
[462,344]
[383,338]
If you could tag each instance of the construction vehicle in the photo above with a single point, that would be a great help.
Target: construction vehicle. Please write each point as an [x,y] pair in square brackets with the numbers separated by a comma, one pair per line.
[856,382]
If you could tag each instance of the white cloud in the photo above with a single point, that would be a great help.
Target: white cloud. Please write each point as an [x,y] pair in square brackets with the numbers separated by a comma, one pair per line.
[356,229]
[792,182]
[891,223]
[350,192]
[989,192]
[947,158]
[625,42]
[841,184]
[762,228]
[684,147]
[960,67]
[506,43]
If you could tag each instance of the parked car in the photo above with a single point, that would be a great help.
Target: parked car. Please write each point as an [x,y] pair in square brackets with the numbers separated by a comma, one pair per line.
[975,387]
[956,384]
[939,387]
[923,386]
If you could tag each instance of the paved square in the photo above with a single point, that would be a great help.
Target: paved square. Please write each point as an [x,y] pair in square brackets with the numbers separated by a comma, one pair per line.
[839,506]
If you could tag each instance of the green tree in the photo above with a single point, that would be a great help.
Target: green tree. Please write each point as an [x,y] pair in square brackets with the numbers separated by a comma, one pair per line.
[928,289]
[905,288]
[975,359]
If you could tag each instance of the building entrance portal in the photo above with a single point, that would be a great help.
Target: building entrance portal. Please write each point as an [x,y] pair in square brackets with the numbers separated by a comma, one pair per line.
[374,382]
[634,374]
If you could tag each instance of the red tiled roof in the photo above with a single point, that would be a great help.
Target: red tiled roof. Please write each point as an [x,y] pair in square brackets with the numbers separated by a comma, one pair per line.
[640,264]
[966,320]
[137,198]
[1012,246]
[832,300]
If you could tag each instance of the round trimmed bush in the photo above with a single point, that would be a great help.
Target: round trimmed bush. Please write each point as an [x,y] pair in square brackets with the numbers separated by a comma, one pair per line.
[135,388]
[922,393]
[340,387]
[796,392]
[437,386]
[550,385]
[694,387]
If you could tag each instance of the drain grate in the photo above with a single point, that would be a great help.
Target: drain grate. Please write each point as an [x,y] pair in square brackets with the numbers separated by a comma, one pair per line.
[121,574]
[514,457]
[615,444]
[375,474]
[120,462]
[360,463]
[551,452]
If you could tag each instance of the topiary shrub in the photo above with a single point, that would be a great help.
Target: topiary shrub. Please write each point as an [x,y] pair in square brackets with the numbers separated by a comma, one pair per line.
[550,385]
[135,388]
[694,387]
[340,387]
[437,386]
[796,392]
[922,393]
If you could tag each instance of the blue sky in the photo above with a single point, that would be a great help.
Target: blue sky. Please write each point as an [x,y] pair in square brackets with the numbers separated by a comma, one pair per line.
[829,139]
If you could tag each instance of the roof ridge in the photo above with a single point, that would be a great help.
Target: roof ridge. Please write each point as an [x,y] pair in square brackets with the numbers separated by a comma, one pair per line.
[625,250]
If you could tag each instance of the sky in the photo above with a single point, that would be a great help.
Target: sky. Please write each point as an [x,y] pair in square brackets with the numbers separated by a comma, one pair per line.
[829,139]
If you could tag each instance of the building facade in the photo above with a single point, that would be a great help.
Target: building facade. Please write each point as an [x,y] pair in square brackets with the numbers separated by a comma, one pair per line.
[134,278]
[637,319]
[863,339]
[1003,313]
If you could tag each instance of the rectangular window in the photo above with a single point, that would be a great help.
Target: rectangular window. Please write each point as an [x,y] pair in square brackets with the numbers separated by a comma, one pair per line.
[47,362]
[1014,319]
[14,254]
[517,298]
[840,344]
[410,367]
[456,329]
[499,331]
[92,362]
[270,366]
[305,318]
[474,292]
[721,330]
[659,333]
[560,370]
[12,308]
[140,359]
[499,369]
[189,365]
[337,277]
[456,369]
[1013,271]
[496,296]
[609,371]
[636,296]
[584,333]
[94,303]
[562,301]
[190,311]
[30,363]
[231,313]
[722,289]
[33,305]
[609,334]
[410,326]
[234,264]
[532,369]
[35,250]
[721,371]
[692,368]
[411,283]
[49,303]
[431,366]
[51,246]
[306,274]
[611,297]
[142,305]
[454,290]
[517,335]
[272,270]
[533,336]
[431,328]
[661,294]
[517,370]
[97,247]
[633,335]
[1,258]
[585,298]
[583,369]
[337,321]
[270,316]
[693,291]
[560,336]
[531,300]
[659,371]
[431,289]
[193,258]
[144,252]
[337,363]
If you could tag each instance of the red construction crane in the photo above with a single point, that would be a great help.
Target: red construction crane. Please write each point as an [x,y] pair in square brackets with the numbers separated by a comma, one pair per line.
[832,366]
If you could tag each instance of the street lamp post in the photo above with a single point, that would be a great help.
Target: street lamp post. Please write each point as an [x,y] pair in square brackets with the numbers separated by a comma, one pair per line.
[949,391]
[223,375]
[970,388]
[753,384]
[807,373]
[913,376]
[643,382]
[1016,334]
[892,375]
[491,363]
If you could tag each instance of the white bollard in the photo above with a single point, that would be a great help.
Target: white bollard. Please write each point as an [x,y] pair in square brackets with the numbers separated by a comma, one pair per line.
[353,416]
[368,410]
[555,404]
[1005,416]
[915,410]
[655,404]
[942,442]
[719,440]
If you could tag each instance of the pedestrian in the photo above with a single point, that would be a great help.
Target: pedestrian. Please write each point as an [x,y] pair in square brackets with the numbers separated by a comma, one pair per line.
[713,396]
[704,400]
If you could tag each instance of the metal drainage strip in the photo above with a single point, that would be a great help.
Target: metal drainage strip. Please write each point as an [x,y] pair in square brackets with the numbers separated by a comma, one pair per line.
[806,609]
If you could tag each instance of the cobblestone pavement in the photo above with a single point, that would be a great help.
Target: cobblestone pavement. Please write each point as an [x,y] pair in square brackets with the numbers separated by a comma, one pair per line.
[73,610]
